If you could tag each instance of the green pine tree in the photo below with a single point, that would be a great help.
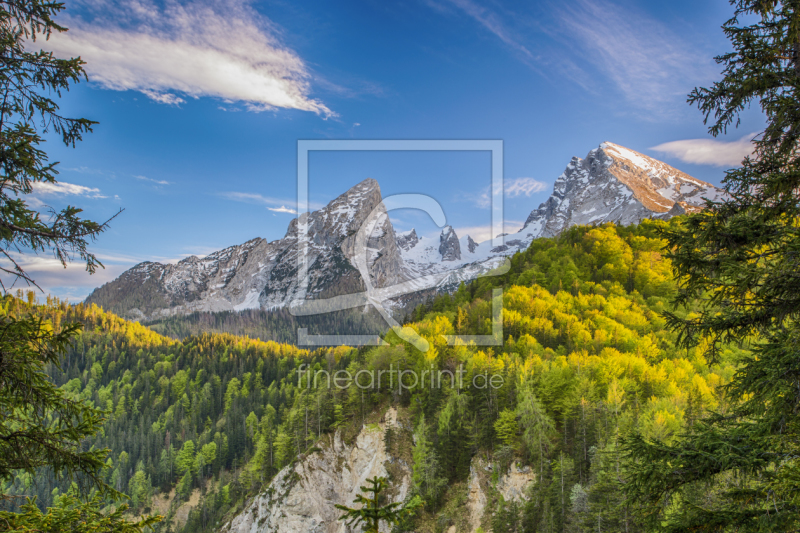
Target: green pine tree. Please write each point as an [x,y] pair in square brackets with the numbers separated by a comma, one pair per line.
[42,427]
[506,427]
[741,258]
[372,513]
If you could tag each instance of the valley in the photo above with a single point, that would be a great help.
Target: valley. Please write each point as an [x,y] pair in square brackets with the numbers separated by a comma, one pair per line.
[226,424]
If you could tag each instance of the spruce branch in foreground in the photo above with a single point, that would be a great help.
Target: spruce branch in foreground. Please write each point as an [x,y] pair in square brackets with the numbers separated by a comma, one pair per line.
[372,513]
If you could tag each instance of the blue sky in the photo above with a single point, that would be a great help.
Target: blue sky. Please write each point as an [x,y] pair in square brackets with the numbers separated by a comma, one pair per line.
[200,106]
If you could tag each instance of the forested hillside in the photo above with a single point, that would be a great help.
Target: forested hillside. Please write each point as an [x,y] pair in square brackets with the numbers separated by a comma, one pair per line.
[586,358]
[276,324]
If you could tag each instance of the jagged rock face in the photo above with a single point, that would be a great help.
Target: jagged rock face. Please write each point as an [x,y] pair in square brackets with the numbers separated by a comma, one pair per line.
[511,485]
[387,267]
[471,245]
[264,274]
[448,245]
[407,241]
[302,496]
[615,184]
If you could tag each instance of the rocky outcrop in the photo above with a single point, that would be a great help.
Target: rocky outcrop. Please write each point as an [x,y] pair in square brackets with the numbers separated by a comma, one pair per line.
[471,245]
[302,496]
[407,241]
[510,485]
[449,247]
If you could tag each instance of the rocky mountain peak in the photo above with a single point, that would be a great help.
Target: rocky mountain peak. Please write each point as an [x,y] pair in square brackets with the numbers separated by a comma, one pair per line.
[449,246]
[342,216]
[657,185]
[261,274]
[471,245]
[407,241]
[616,184]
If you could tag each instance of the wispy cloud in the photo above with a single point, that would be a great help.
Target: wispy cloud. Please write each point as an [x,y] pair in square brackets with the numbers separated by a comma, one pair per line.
[494,23]
[511,189]
[251,198]
[276,205]
[653,67]
[523,187]
[481,234]
[151,180]
[62,188]
[92,171]
[531,32]
[170,51]
[597,45]
[163,98]
[283,209]
[709,151]
[355,88]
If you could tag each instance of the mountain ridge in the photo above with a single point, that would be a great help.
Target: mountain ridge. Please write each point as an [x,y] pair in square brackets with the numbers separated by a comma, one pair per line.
[611,184]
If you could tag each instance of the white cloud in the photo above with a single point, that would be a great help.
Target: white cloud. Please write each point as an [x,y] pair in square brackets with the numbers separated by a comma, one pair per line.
[72,282]
[163,98]
[512,189]
[709,151]
[222,49]
[252,198]
[62,188]
[278,205]
[157,182]
[652,66]
[523,187]
[483,200]
[87,170]
[283,209]
[481,234]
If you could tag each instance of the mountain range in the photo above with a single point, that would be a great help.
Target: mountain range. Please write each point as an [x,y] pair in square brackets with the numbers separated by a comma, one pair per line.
[611,184]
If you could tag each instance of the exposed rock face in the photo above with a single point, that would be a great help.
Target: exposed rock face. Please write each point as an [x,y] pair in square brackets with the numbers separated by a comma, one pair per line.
[615,184]
[449,247]
[406,241]
[302,497]
[471,245]
[261,274]
[511,486]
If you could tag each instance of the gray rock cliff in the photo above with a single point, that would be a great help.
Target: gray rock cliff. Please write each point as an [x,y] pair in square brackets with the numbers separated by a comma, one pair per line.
[449,247]
[261,274]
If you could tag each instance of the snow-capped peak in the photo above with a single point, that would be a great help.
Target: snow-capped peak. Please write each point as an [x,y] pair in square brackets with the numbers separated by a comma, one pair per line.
[616,184]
